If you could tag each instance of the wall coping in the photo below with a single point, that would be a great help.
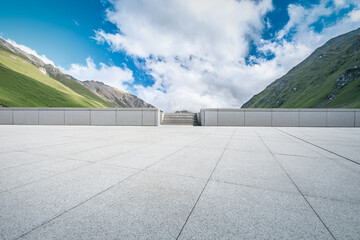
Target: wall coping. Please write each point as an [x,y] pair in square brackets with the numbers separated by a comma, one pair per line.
[75,109]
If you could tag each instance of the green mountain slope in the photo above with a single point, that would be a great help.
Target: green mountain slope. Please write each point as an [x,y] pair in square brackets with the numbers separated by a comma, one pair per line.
[22,84]
[329,77]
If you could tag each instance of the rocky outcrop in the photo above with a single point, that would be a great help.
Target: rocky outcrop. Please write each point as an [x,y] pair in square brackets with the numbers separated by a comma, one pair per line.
[118,97]
[349,75]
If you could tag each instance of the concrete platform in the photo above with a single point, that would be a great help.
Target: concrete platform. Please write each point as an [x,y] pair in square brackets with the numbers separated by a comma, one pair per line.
[179,182]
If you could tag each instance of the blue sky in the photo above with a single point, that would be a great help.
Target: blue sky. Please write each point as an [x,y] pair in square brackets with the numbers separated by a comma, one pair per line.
[178,54]
[63,31]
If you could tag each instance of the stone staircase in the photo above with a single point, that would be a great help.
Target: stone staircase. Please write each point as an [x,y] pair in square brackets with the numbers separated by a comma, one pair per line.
[180,119]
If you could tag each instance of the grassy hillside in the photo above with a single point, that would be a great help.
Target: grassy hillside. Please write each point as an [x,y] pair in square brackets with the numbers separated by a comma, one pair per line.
[23,85]
[316,82]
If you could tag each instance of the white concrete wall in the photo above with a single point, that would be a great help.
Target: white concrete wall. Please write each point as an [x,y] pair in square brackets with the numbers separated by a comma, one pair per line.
[280,117]
[202,117]
[210,117]
[340,118]
[230,117]
[26,116]
[357,118]
[51,117]
[313,117]
[6,116]
[129,117]
[80,116]
[103,117]
[150,118]
[77,116]
[285,117]
[258,117]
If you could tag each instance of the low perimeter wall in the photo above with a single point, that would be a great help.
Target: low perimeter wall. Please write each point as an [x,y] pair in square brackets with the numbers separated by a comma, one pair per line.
[80,116]
[280,117]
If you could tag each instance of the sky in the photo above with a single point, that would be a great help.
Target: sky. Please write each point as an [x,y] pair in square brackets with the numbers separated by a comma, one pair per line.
[177,54]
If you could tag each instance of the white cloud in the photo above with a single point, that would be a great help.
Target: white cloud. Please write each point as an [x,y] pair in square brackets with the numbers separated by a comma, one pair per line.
[196,50]
[355,15]
[110,75]
[340,3]
[31,51]
[185,27]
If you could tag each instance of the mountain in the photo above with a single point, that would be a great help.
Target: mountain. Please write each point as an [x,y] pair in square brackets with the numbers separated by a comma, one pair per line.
[118,97]
[328,78]
[26,81]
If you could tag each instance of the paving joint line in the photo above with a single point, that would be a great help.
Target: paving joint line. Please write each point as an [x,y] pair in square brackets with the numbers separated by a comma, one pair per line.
[103,191]
[41,179]
[23,164]
[152,144]
[69,142]
[297,188]
[350,160]
[73,159]
[79,204]
[333,199]
[202,191]
[254,187]
[177,175]
[68,159]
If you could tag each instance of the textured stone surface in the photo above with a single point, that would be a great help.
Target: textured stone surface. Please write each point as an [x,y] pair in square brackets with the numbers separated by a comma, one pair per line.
[115,182]
[342,218]
[252,169]
[228,211]
[150,206]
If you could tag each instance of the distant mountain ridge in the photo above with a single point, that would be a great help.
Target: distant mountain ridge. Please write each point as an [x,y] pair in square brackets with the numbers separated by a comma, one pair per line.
[120,98]
[328,78]
[14,73]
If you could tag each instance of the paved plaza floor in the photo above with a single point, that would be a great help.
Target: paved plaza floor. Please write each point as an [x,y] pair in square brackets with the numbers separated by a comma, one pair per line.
[177,182]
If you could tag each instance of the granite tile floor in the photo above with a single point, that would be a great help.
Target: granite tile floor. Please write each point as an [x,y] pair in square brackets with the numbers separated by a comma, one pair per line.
[179,182]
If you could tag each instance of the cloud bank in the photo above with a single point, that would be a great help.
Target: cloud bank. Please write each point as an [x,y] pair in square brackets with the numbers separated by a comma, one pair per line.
[111,75]
[198,51]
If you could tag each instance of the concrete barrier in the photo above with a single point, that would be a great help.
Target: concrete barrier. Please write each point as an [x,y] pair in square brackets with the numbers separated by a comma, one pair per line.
[51,117]
[202,117]
[129,117]
[285,117]
[26,116]
[80,116]
[103,117]
[357,118]
[77,116]
[150,118]
[210,117]
[258,117]
[340,118]
[280,117]
[230,117]
[6,116]
[313,117]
